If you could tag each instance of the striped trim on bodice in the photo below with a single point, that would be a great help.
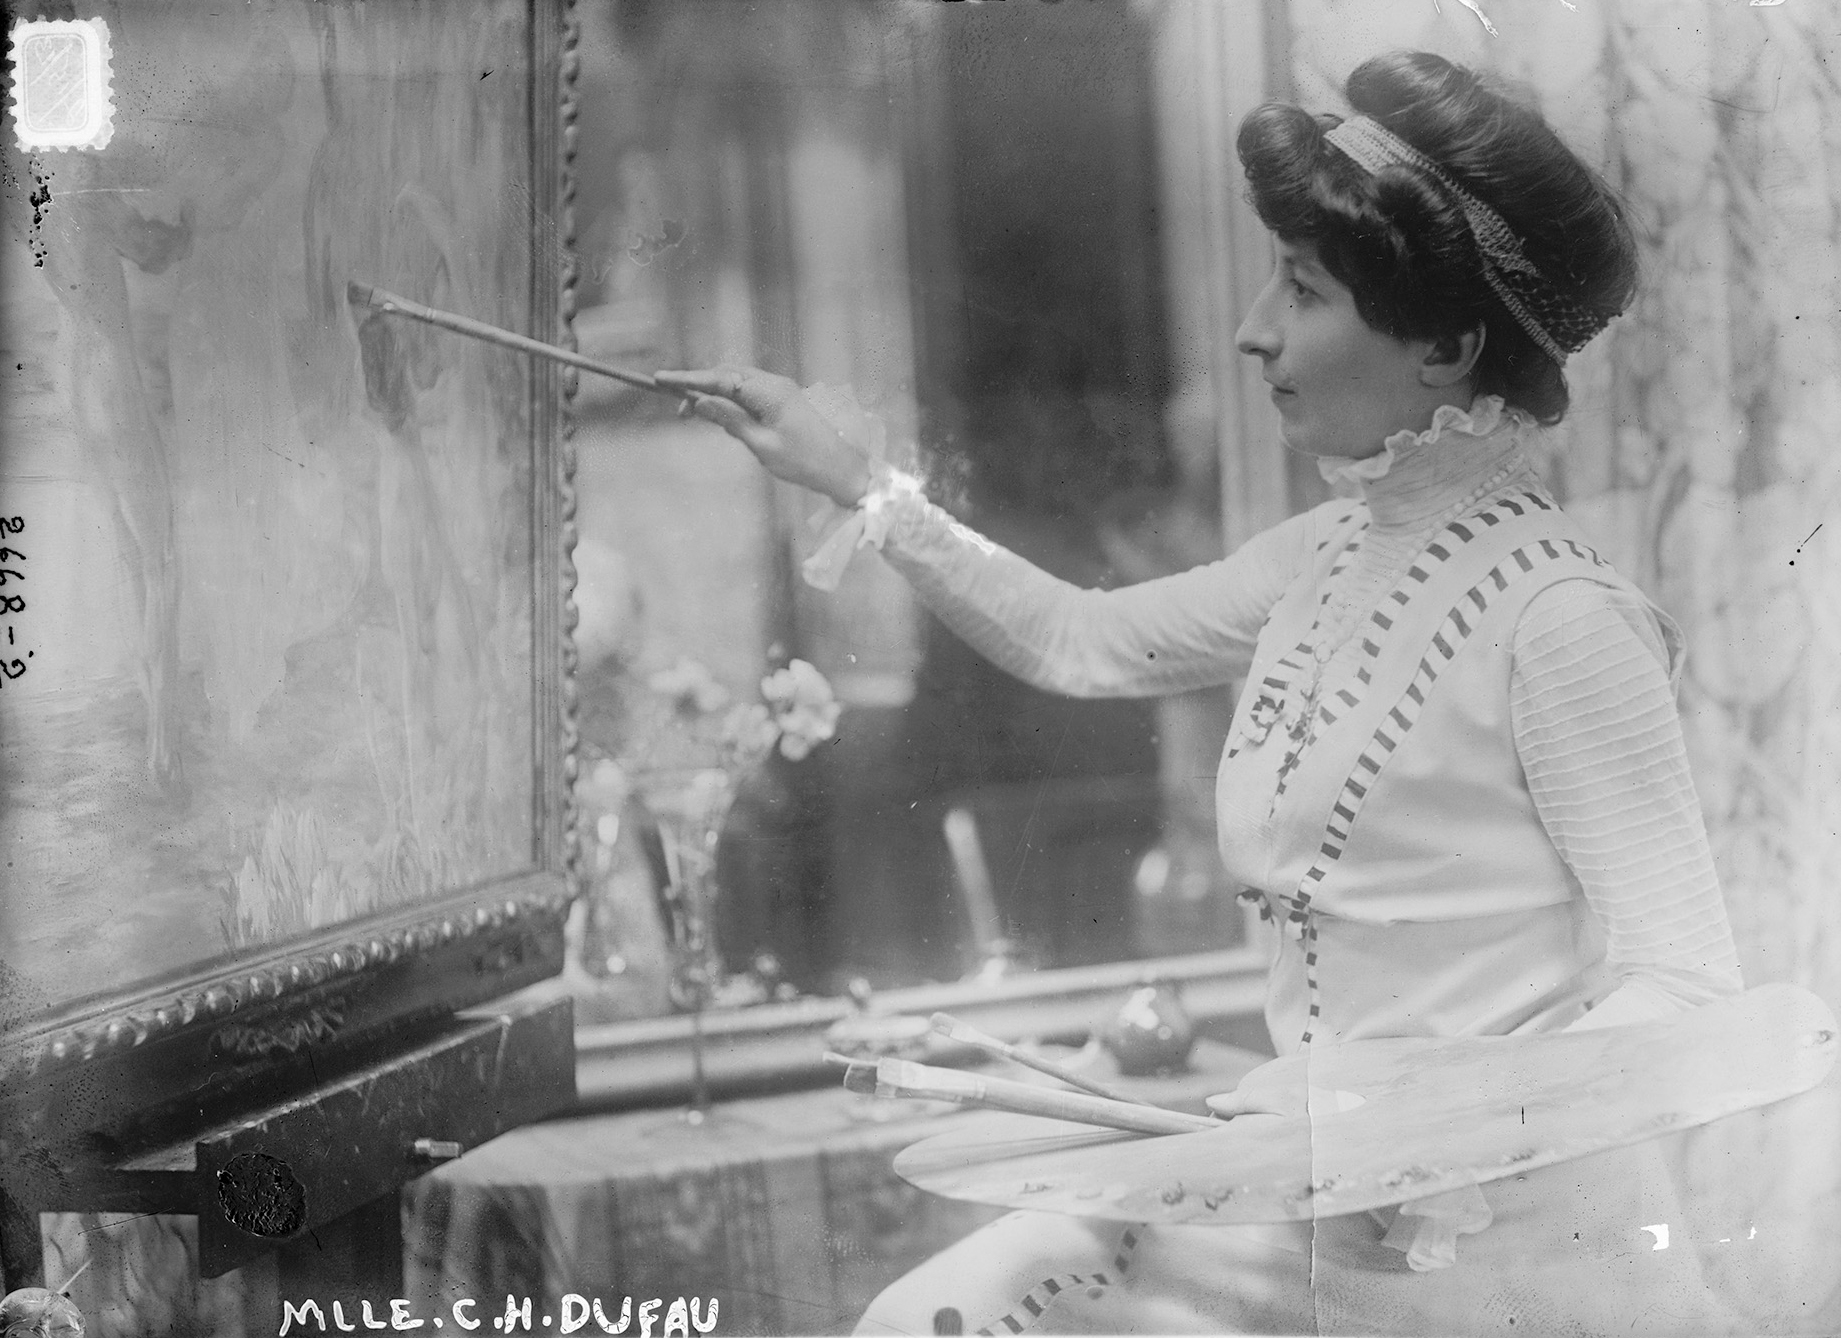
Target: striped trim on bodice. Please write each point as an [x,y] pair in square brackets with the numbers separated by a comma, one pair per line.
[1448,638]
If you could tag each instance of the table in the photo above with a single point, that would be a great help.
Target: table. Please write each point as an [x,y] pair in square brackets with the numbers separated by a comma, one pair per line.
[783,1208]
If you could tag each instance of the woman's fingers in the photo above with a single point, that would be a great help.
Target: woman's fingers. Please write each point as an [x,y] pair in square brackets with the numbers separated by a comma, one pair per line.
[1226,1105]
[706,381]
[761,393]
[733,419]
[771,417]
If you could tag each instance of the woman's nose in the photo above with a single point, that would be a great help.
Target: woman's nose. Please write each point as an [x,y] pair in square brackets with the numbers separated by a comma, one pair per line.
[1258,335]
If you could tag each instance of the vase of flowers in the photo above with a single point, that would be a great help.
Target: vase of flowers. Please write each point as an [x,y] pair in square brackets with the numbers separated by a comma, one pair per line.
[690,749]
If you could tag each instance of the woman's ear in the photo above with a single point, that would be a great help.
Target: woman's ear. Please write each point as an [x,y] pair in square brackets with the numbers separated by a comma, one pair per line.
[1451,358]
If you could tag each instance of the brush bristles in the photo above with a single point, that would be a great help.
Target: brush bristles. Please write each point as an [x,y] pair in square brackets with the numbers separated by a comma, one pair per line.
[358,294]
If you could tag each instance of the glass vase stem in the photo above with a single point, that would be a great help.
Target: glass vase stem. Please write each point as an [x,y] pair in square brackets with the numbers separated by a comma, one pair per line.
[699,1079]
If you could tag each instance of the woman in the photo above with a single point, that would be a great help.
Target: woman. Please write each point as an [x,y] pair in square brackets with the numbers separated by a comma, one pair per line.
[1456,775]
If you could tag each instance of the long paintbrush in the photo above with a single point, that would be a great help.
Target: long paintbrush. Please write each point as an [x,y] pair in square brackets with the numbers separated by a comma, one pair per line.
[904,1078]
[955,1030]
[363,295]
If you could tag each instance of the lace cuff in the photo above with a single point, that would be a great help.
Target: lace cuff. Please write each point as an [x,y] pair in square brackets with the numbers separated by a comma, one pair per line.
[866,524]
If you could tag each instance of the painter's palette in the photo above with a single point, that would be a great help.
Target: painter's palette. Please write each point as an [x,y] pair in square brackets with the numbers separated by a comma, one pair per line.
[1386,1121]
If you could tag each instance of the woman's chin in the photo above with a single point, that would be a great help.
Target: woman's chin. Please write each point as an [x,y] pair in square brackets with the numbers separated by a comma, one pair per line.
[1298,438]
[1302,443]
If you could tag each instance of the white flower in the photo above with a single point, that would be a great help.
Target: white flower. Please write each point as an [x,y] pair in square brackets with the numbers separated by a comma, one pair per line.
[799,684]
[804,708]
[691,687]
[749,729]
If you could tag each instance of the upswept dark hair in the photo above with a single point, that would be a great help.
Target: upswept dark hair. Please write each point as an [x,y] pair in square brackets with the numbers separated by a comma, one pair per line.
[1402,244]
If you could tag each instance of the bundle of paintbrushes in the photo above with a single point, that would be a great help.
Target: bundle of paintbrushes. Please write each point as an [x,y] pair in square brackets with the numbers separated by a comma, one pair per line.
[1094,1103]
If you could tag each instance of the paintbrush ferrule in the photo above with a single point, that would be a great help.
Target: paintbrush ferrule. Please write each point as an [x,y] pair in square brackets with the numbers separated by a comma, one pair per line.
[925,1079]
[861,1079]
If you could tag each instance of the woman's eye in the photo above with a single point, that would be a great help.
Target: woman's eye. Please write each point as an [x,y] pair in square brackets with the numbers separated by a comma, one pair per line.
[1298,290]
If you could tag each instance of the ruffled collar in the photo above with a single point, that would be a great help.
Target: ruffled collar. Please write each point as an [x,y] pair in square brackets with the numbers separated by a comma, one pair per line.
[1420,475]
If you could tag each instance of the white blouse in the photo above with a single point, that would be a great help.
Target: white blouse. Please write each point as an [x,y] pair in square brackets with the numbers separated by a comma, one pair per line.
[1591,698]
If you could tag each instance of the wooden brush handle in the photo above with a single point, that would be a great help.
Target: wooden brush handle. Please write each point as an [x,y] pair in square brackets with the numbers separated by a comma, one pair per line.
[901,1077]
[390,304]
[955,1030]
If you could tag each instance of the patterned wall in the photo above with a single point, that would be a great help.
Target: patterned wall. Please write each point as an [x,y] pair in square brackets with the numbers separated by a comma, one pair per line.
[1700,452]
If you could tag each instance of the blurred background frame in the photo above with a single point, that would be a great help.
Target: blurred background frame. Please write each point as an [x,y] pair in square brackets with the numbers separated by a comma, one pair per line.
[969,217]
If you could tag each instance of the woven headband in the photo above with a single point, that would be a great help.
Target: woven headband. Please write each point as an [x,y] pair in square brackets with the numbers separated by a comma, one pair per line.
[1556,322]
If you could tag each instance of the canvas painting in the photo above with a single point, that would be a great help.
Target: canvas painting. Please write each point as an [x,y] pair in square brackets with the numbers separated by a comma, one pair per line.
[270,581]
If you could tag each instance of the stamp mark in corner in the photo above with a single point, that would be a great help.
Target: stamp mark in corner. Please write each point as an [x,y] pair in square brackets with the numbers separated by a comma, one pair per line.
[62,83]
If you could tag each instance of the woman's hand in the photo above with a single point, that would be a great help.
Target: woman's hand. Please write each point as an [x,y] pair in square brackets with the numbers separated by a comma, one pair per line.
[1274,1088]
[771,417]
[1229,1105]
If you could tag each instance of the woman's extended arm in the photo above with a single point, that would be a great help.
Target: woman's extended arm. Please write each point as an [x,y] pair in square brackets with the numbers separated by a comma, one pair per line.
[1192,630]
[1173,634]
[1601,745]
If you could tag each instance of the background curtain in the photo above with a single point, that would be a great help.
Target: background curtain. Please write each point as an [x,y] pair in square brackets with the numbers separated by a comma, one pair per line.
[1699,453]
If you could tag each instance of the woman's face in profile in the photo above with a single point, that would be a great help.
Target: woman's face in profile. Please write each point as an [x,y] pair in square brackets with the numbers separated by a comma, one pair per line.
[1341,386]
